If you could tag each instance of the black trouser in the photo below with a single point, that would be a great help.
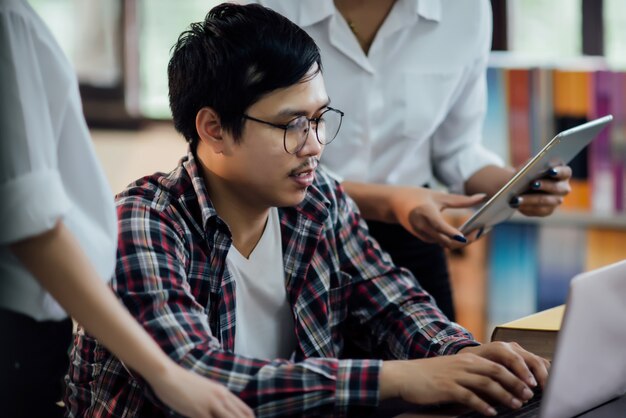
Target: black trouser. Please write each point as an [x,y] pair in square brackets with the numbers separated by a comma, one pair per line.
[426,261]
[33,362]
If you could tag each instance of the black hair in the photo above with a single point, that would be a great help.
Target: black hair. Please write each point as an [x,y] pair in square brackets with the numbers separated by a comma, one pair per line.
[228,62]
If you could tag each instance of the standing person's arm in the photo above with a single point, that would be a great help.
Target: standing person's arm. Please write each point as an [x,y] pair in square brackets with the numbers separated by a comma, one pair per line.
[417,209]
[42,131]
[56,260]
[461,160]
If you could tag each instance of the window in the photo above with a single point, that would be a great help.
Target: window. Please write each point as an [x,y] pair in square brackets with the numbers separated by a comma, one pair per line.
[542,30]
[58,14]
[615,33]
[88,32]
[161,22]
[545,29]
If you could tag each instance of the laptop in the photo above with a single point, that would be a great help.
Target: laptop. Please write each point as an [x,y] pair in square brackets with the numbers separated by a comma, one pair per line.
[588,373]
[589,366]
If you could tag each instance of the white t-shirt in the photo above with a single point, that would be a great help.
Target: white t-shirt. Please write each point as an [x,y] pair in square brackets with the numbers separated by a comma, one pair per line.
[48,168]
[265,327]
[414,106]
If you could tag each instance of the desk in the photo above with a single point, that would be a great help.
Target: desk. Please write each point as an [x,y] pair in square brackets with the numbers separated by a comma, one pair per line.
[396,408]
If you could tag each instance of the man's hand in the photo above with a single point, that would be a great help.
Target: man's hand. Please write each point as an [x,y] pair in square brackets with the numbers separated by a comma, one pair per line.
[475,377]
[419,211]
[527,366]
[546,193]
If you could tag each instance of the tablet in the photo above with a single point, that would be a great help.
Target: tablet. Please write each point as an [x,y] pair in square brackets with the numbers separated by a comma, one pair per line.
[559,151]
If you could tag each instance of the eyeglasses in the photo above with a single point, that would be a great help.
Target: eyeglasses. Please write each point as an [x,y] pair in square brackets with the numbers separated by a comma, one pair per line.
[297,130]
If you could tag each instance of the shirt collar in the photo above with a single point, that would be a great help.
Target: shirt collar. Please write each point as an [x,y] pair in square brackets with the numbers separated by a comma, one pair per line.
[207,211]
[428,9]
[314,11]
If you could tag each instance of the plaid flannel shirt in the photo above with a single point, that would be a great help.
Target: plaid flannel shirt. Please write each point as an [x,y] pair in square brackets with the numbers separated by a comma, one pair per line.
[172,276]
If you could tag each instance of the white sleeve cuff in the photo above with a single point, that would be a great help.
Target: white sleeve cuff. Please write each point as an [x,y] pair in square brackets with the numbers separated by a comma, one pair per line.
[32,204]
[465,164]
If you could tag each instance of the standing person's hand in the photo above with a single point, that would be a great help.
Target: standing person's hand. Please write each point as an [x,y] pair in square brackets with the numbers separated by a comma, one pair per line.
[476,377]
[197,397]
[419,211]
[545,194]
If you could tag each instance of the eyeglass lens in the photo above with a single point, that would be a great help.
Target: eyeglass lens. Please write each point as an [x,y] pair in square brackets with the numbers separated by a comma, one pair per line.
[326,130]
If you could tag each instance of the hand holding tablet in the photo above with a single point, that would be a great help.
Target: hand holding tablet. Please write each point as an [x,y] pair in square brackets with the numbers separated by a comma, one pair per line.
[558,152]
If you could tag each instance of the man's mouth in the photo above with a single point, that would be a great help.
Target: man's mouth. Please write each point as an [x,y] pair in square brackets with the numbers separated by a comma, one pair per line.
[305,174]
[307,169]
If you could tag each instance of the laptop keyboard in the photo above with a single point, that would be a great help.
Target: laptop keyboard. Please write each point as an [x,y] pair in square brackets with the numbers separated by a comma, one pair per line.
[529,410]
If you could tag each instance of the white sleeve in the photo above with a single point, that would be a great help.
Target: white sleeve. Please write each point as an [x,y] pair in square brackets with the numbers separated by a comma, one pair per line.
[33,196]
[457,149]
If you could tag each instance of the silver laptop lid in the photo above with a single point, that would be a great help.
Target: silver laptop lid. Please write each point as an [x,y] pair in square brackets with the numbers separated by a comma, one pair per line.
[589,366]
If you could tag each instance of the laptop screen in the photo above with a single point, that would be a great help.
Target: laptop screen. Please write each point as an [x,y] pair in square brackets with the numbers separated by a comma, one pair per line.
[589,366]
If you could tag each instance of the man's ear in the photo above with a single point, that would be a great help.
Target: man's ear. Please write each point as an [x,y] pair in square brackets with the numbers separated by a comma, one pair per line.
[209,128]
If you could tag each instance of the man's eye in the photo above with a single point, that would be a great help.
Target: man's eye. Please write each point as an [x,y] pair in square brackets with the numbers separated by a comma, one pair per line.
[298,124]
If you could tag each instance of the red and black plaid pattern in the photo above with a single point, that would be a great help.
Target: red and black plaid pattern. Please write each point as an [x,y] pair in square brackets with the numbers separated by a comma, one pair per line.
[171,274]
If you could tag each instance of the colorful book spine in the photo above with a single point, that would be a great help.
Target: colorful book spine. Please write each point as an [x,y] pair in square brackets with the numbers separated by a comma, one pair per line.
[618,141]
[496,125]
[604,247]
[559,250]
[519,115]
[571,108]
[512,265]
[599,155]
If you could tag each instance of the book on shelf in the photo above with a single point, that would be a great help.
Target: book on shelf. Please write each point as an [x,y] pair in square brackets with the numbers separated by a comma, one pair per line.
[572,100]
[560,250]
[600,161]
[536,333]
[604,246]
[518,82]
[530,265]
[496,127]
[512,272]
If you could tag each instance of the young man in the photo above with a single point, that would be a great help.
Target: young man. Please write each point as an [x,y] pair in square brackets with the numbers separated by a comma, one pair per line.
[418,69]
[251,266]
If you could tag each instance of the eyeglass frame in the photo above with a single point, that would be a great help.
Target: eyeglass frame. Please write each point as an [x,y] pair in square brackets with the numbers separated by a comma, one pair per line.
[284,127]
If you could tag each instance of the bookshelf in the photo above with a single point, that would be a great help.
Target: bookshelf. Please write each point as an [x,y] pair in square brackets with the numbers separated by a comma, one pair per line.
[528,261]
[578,219]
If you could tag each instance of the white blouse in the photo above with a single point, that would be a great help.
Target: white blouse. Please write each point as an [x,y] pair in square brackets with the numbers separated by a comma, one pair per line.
[414,106]
[48,168]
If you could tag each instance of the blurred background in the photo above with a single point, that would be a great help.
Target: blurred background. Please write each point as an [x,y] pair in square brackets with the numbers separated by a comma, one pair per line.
[120,48]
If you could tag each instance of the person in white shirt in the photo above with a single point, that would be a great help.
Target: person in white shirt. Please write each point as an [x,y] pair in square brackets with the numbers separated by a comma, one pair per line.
[410,76]
[58,239]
